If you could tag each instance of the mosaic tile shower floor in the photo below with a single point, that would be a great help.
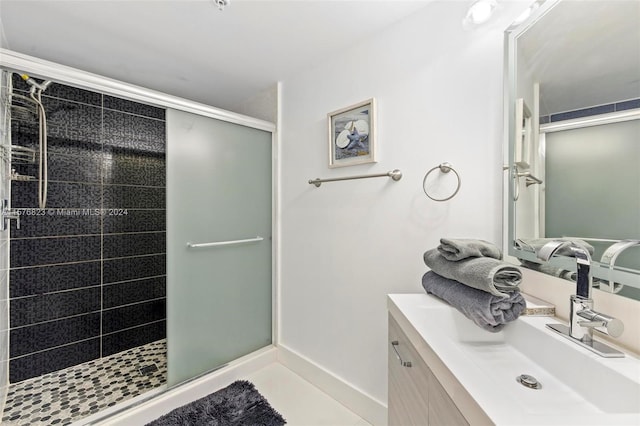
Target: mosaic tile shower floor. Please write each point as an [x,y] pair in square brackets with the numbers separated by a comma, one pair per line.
[65,396]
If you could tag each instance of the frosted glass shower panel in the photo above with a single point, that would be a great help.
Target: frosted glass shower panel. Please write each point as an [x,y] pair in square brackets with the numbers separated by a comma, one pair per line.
[593,172]
[592,186]
[219,190]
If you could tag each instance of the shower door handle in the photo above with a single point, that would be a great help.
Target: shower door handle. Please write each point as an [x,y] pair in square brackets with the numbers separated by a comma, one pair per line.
[224,243]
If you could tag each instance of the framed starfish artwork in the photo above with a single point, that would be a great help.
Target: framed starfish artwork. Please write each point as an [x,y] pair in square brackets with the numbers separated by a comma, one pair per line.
[352,134]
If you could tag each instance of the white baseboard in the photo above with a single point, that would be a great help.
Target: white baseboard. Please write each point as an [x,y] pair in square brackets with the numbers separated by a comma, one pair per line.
[183,394]
[370,409]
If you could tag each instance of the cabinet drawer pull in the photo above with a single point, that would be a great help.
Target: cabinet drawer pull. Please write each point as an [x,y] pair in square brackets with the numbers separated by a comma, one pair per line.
[394,345]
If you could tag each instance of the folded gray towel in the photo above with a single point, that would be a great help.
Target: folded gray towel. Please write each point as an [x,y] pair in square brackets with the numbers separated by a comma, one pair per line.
[535,244]
[484,273]
[458,249]
[550,270]
[485,310]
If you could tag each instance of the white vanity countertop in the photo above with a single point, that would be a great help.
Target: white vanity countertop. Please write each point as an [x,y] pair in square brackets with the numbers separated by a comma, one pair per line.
[578,386]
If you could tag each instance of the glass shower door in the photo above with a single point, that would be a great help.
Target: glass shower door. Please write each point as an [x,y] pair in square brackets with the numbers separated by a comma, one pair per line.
[219,280]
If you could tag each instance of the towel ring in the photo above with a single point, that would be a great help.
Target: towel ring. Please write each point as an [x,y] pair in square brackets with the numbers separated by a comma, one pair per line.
[444,168]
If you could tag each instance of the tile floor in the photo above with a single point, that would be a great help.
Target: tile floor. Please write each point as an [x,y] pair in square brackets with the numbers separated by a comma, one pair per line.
[65,396]
[300,402]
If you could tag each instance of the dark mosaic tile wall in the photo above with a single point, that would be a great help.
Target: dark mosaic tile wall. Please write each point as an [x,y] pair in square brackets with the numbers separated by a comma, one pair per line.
[87,276]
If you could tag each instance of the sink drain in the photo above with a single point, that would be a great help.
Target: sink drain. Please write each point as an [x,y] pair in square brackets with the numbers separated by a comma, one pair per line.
[528,381]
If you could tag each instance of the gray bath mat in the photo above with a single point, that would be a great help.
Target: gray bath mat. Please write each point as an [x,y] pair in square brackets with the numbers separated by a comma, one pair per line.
[237,404]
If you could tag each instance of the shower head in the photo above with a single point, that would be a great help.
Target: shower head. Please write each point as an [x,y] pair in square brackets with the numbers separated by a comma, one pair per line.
[34,84]
[221,3]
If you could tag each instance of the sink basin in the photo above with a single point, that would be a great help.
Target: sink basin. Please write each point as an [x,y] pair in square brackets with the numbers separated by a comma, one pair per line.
[577,386]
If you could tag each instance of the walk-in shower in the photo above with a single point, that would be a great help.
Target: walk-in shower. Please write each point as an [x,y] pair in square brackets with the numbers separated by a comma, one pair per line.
[86,273]
[138,273]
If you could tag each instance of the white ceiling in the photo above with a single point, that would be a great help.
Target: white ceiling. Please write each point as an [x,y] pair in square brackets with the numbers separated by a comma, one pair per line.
[584,53]
[189,48]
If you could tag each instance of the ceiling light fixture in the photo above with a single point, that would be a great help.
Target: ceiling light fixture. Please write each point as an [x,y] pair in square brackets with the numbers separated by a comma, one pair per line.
[221,3]
[480,12]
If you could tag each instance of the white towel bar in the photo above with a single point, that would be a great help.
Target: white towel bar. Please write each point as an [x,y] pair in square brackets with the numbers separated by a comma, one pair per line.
[395,174]
[224,243]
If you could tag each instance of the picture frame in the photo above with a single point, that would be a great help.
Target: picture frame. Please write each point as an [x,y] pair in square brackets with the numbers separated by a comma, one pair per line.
[352,134]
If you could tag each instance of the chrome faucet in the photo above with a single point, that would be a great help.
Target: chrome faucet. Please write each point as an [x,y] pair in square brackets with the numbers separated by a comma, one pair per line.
[583,319]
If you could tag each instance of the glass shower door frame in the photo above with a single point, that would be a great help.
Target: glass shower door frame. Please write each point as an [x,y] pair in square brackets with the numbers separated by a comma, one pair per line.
[220,217]
[18,62]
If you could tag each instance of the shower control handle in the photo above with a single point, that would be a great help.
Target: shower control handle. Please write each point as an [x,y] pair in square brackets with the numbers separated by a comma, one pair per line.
[12,215]
[7,215]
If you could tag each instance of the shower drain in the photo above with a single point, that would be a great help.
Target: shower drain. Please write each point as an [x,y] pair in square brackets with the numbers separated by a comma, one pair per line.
[529,381]
[147,369]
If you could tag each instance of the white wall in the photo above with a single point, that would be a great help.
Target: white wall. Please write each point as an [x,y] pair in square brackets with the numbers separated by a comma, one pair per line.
[346,245]
[263,105]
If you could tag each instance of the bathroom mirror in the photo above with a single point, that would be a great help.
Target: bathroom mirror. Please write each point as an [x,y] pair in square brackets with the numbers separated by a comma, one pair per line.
[576,65]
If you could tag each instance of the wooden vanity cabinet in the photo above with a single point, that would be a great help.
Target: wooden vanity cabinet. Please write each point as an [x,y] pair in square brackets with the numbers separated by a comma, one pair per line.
[415,395]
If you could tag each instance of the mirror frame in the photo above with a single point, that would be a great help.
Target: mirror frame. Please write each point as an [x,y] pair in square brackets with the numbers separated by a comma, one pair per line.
[625,276]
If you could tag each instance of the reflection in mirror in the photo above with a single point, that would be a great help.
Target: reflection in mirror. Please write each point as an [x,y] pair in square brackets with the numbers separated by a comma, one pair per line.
[573,69]
[523,135]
